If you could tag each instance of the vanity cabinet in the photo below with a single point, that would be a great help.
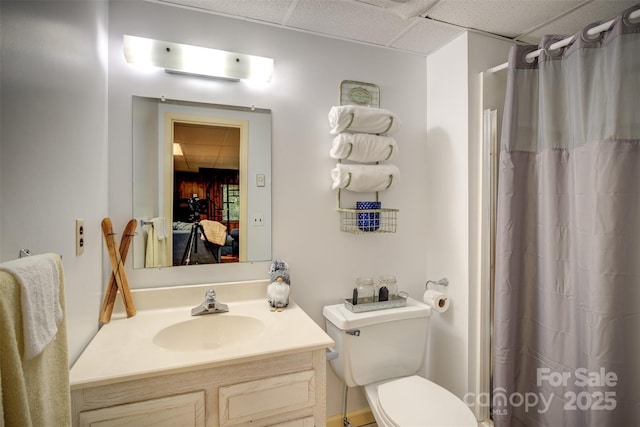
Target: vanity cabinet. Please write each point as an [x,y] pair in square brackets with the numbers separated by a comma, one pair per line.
[279,390]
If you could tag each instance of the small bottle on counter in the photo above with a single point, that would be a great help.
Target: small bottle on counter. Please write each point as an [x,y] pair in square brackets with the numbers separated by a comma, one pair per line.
[366,289]
[383,294]
[390,283]
[354,298]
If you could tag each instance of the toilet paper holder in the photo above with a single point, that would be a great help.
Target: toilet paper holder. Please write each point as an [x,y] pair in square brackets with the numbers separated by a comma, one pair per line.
[436,299]
[442,282]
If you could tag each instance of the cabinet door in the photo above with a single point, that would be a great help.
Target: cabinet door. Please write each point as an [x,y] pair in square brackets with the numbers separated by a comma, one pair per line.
[242,403]
[183,410]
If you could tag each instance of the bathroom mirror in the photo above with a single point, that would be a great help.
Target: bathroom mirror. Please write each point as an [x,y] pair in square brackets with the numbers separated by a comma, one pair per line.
[201,183]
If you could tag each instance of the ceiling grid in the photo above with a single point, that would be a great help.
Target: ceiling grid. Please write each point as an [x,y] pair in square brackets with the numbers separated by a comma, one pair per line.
[418,26]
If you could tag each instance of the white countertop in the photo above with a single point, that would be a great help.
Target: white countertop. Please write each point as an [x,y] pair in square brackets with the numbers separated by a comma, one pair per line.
[124,349]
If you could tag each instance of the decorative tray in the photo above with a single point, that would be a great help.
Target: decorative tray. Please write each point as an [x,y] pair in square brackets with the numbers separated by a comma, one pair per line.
[373,303]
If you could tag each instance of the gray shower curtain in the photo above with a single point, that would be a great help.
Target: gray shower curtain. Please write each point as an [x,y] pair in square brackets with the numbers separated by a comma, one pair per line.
[567,288]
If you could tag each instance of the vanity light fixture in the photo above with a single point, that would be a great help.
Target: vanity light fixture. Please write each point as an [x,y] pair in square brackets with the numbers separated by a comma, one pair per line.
[200,61]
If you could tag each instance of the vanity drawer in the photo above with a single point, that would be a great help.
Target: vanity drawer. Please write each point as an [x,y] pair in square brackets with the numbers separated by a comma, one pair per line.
[186,410]
[244,402]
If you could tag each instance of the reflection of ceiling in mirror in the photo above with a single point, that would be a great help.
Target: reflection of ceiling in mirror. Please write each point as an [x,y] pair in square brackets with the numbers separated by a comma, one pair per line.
[206,146]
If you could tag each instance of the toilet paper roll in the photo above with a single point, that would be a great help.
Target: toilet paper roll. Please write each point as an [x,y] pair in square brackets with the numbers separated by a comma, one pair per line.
[437,300]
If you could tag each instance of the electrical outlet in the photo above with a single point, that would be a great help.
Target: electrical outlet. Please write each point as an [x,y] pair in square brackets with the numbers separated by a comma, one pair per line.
[257,219]
[79,236]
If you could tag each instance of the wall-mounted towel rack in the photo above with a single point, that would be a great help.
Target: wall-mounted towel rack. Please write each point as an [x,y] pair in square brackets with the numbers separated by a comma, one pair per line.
[27,252]
[370,122]
[23,253]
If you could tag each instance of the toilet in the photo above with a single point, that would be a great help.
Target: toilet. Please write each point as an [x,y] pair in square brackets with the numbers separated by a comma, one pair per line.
[383,350]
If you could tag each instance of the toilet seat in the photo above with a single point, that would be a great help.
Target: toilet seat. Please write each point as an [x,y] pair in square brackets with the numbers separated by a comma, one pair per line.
[415,401]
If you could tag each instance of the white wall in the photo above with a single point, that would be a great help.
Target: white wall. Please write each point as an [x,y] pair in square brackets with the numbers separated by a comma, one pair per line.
[54,143]
[62,160]
[447,191]
[324,261]
[454,114]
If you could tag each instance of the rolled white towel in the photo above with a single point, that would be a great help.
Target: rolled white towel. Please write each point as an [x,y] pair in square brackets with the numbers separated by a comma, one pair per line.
[363,147]
[364,178]
[354,118]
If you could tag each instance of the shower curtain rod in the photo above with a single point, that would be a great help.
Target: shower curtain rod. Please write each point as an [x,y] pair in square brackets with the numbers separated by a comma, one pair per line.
[565,42]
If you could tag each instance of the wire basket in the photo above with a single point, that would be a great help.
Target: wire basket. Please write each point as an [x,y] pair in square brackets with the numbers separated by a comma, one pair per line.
[365,221]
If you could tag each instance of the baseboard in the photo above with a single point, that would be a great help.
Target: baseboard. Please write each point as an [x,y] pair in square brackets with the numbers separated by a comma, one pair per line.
[359,417]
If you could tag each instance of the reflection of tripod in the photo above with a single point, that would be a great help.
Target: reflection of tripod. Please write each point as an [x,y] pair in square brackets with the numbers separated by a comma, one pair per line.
[192,243]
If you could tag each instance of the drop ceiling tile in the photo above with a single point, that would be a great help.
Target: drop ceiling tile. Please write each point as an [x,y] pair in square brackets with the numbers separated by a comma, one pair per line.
[504,17]
[426,36]
[570,24]
[347,19]
[393,23]
[403,8]
[274,11]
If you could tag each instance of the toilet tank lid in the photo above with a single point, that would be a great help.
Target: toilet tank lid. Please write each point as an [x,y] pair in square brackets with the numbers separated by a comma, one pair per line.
[345,319]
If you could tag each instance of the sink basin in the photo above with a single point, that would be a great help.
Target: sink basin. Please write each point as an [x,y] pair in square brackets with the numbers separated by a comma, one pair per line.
[208,332]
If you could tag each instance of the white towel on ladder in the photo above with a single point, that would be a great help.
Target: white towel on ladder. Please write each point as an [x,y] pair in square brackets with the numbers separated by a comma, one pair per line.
[354,118]
[363,147]
[364,178]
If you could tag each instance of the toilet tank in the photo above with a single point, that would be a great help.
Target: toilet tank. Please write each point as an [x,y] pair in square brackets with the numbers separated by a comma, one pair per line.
[377,345]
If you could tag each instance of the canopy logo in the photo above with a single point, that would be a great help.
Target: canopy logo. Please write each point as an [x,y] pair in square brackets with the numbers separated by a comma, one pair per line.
[597,396]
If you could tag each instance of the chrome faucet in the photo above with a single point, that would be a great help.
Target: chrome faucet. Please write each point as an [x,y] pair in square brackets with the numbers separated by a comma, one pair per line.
[210,305]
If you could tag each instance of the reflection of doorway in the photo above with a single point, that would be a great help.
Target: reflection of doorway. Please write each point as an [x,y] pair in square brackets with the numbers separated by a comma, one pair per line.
[206,156]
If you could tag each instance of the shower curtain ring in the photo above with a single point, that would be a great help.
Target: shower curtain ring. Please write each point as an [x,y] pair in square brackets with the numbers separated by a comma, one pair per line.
[584,34]
[626,17]
[552,53]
